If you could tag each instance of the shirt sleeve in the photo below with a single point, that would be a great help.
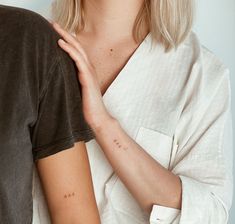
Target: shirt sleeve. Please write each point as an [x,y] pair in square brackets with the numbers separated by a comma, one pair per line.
[203,151]
[60,121]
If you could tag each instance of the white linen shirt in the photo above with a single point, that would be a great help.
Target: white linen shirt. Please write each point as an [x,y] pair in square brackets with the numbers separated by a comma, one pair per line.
[177,106]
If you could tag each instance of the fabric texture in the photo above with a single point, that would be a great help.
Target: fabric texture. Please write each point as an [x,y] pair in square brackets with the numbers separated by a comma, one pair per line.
[177,106]
[40,106]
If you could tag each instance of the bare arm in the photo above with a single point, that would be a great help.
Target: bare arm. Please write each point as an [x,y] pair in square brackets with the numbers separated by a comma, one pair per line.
[67,183]
[132,163]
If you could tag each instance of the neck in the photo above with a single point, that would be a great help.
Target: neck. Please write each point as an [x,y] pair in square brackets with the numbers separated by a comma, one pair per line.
[111,18]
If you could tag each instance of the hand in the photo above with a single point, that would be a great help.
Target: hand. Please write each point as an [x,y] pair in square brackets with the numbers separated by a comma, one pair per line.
[93,107]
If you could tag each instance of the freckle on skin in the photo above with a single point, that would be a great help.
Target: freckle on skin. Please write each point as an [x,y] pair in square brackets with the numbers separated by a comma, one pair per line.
[65,196]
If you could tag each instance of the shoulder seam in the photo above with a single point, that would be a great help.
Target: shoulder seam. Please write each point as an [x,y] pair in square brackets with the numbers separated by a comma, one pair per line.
[44,90]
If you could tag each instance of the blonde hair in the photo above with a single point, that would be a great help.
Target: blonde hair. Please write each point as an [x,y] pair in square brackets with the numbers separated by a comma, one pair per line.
[169,21]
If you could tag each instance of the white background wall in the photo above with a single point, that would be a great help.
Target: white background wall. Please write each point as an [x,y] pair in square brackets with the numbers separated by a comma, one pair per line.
[215,25]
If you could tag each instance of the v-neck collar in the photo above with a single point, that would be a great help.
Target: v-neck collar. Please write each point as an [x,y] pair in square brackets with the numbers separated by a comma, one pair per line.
[132,58]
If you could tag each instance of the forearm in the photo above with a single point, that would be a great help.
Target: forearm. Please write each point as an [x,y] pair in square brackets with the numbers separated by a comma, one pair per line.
[148,181]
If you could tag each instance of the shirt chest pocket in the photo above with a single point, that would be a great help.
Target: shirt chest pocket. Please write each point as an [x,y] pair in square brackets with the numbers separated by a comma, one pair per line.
[156,144]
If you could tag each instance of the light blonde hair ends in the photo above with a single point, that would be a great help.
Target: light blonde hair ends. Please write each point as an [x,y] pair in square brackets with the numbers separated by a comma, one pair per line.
[169,21]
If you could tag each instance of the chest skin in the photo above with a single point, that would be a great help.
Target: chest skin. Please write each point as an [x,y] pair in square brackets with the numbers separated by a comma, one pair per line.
[108,56]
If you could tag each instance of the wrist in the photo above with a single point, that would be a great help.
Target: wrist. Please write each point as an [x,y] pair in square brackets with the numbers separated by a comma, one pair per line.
[103,123]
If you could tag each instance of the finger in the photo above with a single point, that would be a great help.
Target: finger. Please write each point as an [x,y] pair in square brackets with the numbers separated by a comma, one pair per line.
[74,54]
[70,39]
[66,36]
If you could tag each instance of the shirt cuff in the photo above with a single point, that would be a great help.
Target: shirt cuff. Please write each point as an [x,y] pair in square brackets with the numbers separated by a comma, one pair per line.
[161,214]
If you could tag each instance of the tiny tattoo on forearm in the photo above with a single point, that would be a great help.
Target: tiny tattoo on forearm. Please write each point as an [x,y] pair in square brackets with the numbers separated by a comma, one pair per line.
[69,195]
[119,145]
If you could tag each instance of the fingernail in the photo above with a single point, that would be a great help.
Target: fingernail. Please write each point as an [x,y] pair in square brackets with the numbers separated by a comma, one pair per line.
[56,24]
[61,41]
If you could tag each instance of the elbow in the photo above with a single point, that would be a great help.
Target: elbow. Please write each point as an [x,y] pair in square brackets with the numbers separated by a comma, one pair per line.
[170,202]
[172,198]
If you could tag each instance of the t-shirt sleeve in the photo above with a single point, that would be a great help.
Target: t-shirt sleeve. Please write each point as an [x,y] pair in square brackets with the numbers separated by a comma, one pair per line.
[60,119]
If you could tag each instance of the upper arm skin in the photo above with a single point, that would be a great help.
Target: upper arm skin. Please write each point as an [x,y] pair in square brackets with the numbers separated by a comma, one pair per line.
[67,184]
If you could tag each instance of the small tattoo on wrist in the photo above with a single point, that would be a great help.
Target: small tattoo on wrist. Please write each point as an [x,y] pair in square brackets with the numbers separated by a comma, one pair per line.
[119,145]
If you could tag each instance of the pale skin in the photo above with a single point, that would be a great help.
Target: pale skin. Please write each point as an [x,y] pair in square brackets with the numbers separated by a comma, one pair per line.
[108,29]
[67,183]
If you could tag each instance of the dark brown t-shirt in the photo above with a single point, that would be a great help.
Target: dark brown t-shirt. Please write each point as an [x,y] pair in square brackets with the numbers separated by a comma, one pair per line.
[40,106]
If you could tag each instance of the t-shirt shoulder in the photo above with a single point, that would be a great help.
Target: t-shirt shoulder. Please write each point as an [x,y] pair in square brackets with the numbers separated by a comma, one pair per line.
[38,38]
[21,16]
[27,24]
